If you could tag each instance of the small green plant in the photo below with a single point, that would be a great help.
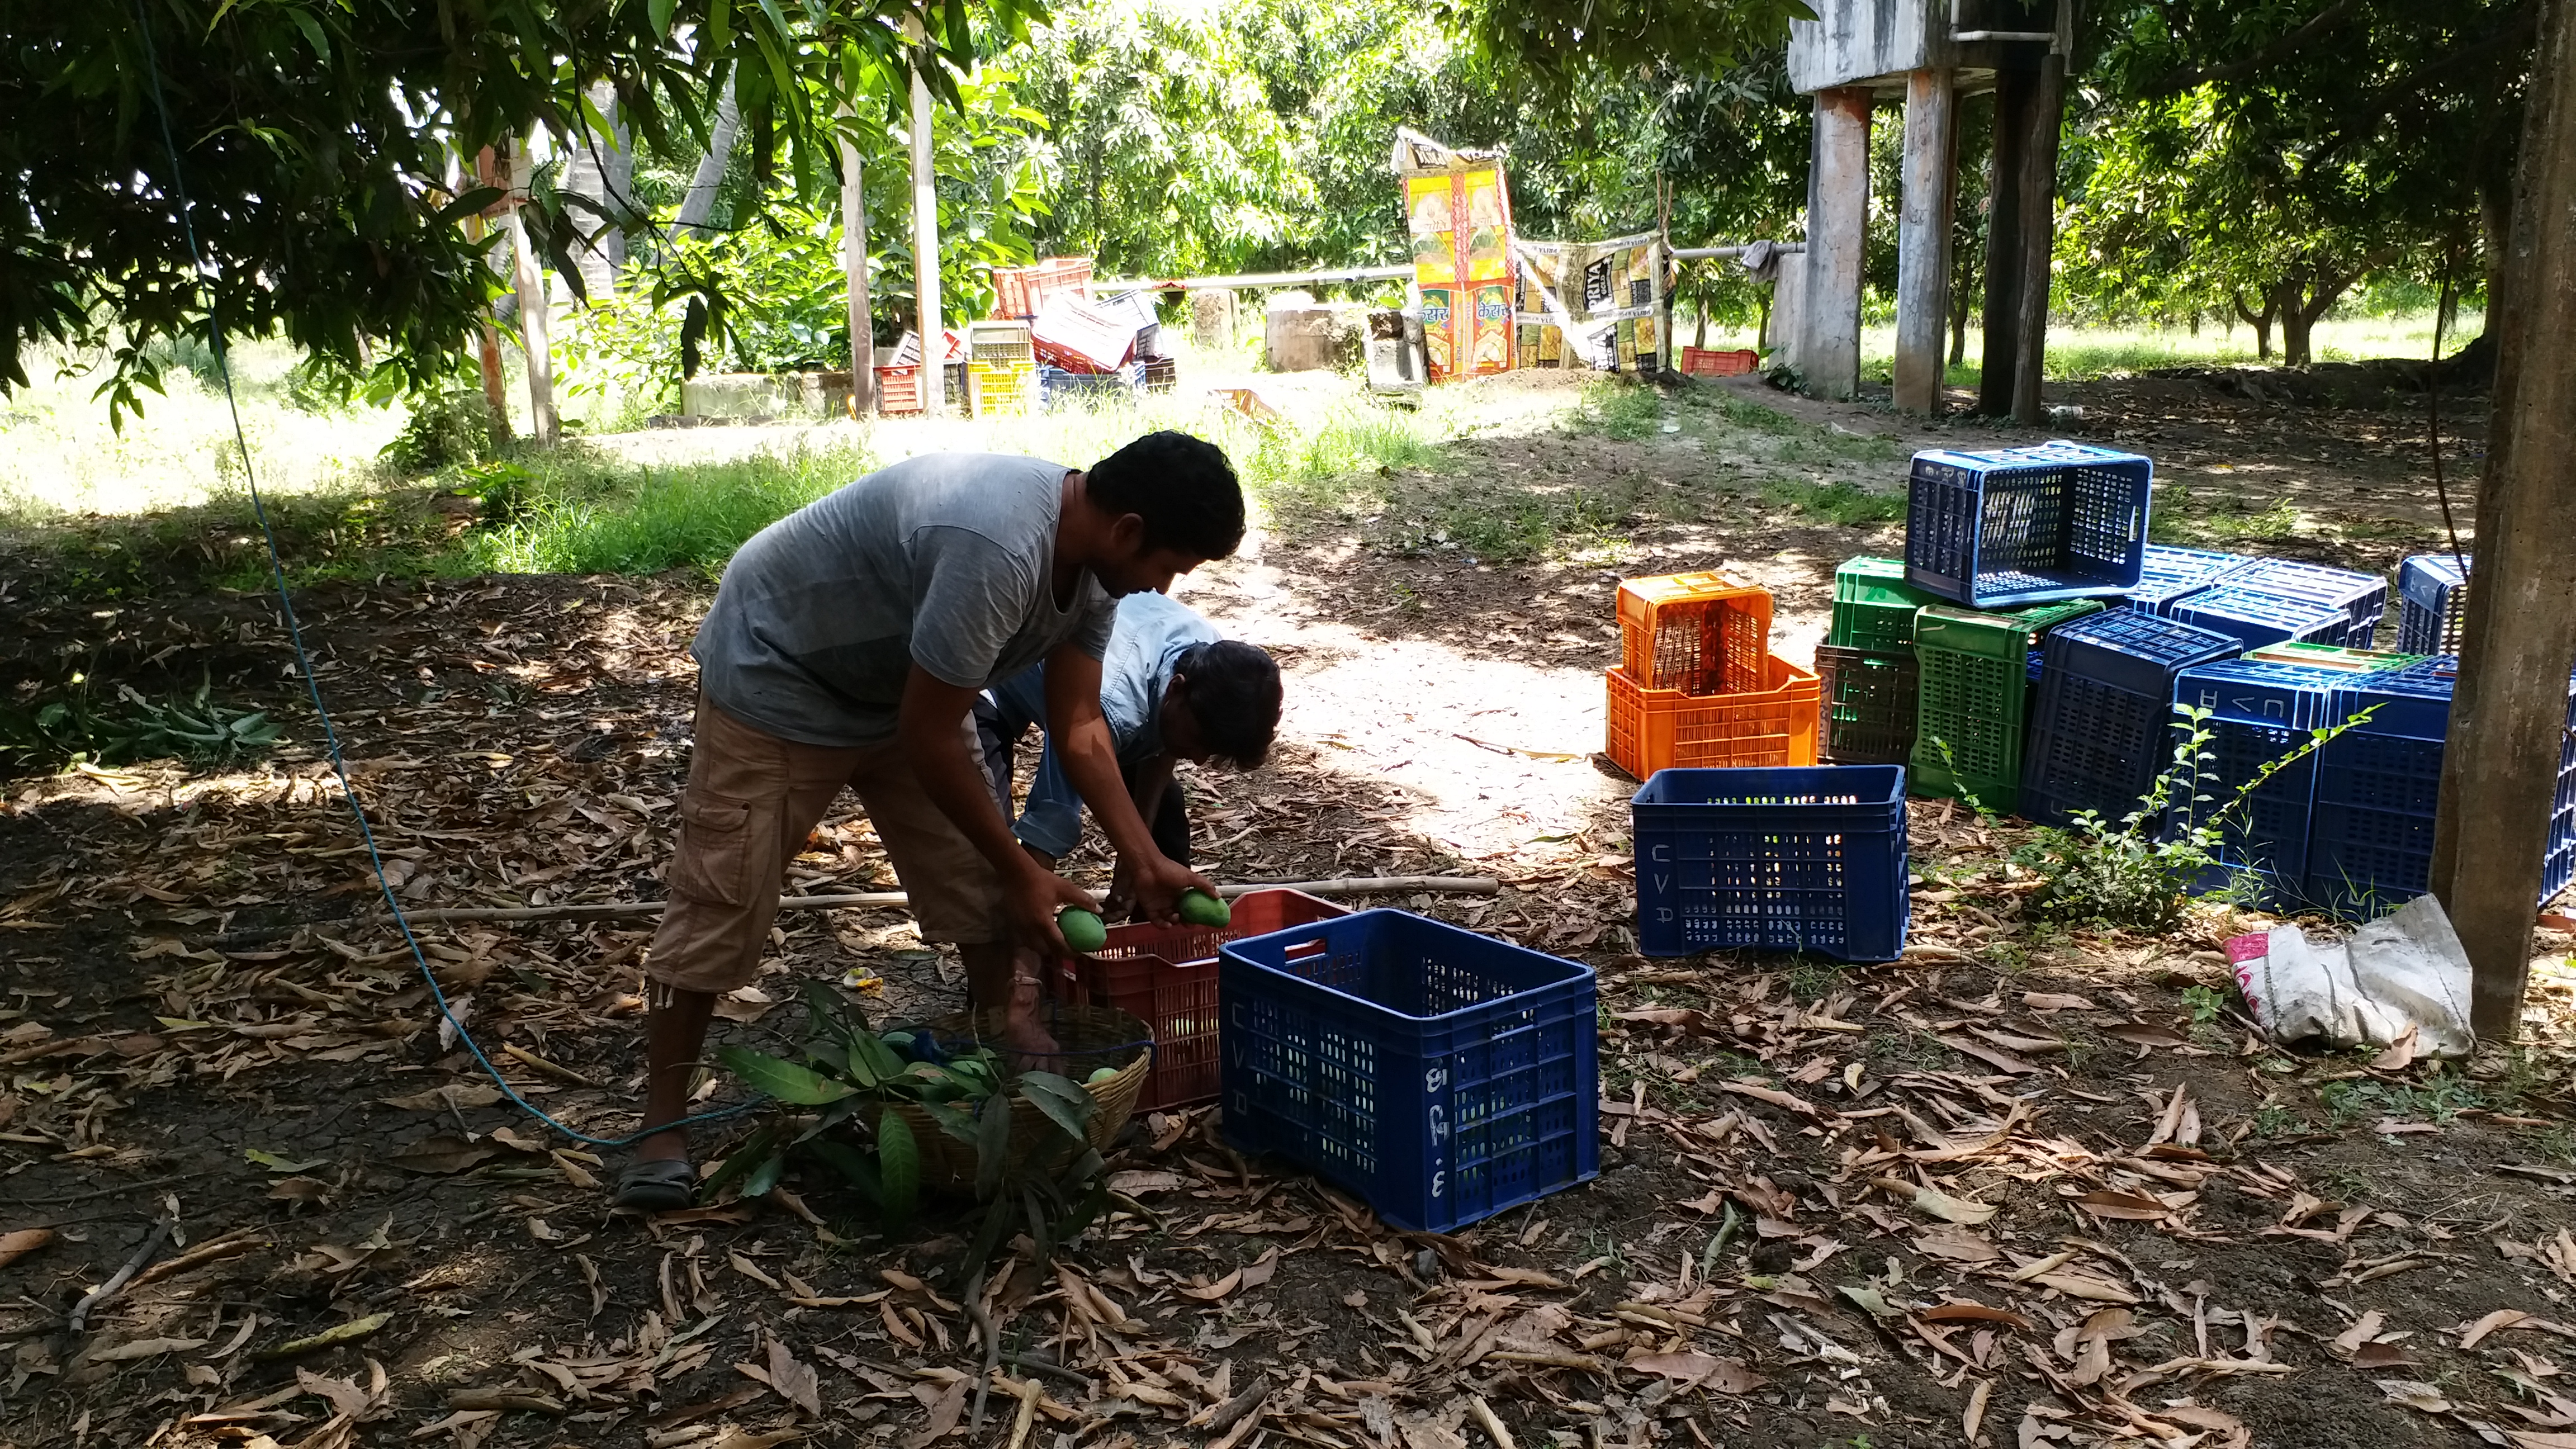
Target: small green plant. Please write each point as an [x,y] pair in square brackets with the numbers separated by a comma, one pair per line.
[450,425]
[72,729]
[2136,873]
[2205,1002]
[1838,502]
[2274,1120]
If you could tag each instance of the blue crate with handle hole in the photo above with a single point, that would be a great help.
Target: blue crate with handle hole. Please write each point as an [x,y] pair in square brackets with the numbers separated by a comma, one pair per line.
[2102,729]
[2432,598]
[1440,1075]
[2029,525]
[1794,859]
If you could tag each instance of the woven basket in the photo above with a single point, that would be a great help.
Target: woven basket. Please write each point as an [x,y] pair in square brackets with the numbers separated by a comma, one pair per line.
[1091,1037]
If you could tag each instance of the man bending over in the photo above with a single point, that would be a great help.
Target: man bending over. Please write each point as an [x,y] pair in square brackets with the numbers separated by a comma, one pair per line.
[1170,690]
[846,646]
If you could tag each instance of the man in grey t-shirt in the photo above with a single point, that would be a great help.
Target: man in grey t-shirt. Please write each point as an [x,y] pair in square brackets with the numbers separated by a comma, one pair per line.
[846,646]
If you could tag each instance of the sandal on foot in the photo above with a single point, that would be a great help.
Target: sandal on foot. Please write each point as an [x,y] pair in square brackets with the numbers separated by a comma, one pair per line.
[655,1185]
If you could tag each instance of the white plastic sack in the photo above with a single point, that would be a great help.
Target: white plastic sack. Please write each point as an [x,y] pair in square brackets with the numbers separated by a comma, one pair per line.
[2402,973]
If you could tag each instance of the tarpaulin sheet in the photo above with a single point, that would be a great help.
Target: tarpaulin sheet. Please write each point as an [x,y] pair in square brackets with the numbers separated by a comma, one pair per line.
[1458,212]
[1592,304]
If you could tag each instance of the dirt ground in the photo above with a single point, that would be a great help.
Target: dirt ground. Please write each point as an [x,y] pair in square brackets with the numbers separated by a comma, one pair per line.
[2019,1188]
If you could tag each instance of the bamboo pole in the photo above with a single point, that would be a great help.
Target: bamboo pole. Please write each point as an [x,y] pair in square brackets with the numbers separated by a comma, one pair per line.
[1372,885]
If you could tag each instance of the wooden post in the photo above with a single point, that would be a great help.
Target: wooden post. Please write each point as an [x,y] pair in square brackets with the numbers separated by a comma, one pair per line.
[925,228]
[1837,228]
[2002,321]
[854,267]
[2509,709]
[1923,237]
[2038,237]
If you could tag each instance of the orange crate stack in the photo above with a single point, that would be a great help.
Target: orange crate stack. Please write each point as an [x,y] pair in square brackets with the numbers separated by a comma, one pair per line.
[899,391]
[1702,633]
[1706,362]
[1659,729]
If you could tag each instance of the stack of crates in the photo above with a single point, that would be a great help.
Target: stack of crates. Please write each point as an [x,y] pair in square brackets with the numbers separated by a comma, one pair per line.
[2273,600]
[1001,370]
[1697,683]
[1022,292]
[2169,573]
[1865,669]
[1974,672]
[2261,711]
[2433,596]
[2101,732]
[2377,784]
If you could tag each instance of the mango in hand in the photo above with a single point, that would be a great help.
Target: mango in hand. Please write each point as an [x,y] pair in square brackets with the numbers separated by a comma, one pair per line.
[1201,909]
[1082,929]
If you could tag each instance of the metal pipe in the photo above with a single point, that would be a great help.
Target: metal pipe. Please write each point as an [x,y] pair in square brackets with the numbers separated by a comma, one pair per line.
[1256,279]
[1694,254]
[2035,36]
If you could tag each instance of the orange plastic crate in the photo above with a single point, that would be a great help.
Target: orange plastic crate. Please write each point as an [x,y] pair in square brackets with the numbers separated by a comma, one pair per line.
[1701,633]
[1662,729]
[898,391]
[1165,977]
[1705,362]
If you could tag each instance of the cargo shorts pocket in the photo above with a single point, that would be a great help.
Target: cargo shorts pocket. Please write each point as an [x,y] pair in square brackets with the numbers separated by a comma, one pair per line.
[720,859]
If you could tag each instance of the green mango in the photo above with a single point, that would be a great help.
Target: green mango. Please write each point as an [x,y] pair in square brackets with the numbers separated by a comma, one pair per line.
[1082,929]
[1201,909]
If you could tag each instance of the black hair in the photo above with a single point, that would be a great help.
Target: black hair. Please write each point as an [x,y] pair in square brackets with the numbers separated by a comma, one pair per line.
[1181,486]
[1234,695]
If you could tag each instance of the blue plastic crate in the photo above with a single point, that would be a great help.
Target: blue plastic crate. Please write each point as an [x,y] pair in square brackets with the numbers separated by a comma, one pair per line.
[2169,573]
[2102,730]
[1441,1075]
[2258,618]
[1793,859]
[2259,712]
[2362,597]
[2027,525]
[2432,597]
[1059,387]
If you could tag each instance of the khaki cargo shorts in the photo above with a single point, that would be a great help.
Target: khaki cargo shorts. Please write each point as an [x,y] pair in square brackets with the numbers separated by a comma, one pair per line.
[751,802]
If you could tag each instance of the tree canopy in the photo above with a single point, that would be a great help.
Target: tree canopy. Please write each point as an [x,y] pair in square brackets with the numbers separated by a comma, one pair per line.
[320,143]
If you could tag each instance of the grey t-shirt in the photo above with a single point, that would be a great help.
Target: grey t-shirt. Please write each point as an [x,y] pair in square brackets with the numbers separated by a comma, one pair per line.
[945,560]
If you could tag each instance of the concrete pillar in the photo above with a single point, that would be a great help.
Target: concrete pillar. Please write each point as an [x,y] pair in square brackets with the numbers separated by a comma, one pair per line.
[1837,228]
[925,228]
[1923,237]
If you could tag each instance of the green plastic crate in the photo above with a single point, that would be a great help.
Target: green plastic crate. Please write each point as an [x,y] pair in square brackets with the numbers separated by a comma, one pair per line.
[1973,695]
[1874,606]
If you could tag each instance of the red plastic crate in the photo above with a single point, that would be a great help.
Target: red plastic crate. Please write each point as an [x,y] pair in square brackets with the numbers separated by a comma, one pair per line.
[1702,633]
[898,391]
[1661,729]
[1165,977]
[1706,362]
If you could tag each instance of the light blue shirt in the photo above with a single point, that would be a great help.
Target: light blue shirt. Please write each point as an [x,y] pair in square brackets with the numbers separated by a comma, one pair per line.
[1147,639]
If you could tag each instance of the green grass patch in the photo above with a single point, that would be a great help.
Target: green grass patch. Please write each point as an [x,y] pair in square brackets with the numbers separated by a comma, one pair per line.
[650,520]
[1839,503]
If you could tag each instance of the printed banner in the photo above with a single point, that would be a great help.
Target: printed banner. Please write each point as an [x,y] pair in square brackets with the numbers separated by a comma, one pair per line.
[1458,212]
[1592,304]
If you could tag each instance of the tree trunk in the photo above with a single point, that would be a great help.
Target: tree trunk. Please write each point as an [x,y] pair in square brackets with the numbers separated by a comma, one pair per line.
[1699,338]
[1959,329]
[2013,93]
[699,205]
[2261,322]
[2509,709]
[2039,238]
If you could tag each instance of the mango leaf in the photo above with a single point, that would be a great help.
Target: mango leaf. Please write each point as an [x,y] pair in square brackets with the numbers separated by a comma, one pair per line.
[992,1146]
[765,1176]
[1063,1100]
[761,1147]
[783,1080]
[899,1171]
[855,1166]
[952,1120]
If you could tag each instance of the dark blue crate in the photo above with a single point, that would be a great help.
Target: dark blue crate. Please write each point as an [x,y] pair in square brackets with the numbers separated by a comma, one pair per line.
[1793,859]
[2364,863]
[2362,597]
[2259,618]
[2413,700]
[1059,386]
[2102,731]
[1441,1075]
[2169,573]
[2260,712]
[2027,525]
[2433,596]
